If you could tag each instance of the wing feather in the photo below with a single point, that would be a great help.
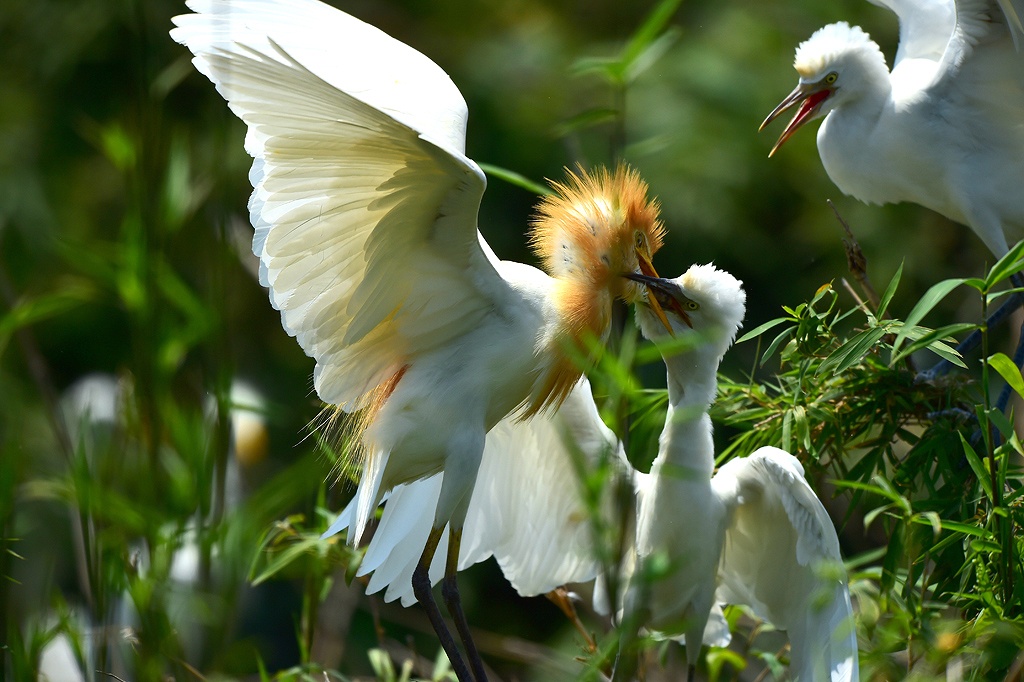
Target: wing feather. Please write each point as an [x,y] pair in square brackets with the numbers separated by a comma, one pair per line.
[364,204]
[526,509]
[781,557]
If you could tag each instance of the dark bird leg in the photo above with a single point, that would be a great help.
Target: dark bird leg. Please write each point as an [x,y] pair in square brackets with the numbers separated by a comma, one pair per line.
[421,588]
[450,593]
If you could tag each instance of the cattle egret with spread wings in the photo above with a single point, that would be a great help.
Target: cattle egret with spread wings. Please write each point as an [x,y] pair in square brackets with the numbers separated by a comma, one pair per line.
[754,533]
[365,210]
[943,129]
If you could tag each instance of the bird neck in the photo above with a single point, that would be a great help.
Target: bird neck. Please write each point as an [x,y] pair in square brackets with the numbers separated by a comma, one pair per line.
[686,442]
[580,314]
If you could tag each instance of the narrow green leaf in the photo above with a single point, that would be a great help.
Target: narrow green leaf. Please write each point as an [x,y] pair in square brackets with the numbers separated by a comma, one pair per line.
[930,338]
[958,527]
[980,472]
[870,517]
[1010,264]
[931,298]
[760,329]
[584,120]
[773,346]
[852,352]
[648,31]
[514,178]
[890,291]
[1009,371]
[649,56]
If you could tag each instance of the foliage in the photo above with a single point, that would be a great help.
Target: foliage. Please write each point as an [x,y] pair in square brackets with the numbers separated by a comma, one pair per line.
[129,310]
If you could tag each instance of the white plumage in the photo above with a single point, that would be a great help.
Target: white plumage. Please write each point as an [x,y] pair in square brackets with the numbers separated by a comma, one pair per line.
[754,533]
[365,207]
[527,509]
[943,129]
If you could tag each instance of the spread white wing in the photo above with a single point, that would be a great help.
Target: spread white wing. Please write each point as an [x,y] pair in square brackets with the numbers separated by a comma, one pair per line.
[782,558]
[364,202]
[527,509]
[925,27]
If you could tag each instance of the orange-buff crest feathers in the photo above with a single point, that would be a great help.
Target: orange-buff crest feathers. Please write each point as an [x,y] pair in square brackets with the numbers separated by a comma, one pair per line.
[587,235]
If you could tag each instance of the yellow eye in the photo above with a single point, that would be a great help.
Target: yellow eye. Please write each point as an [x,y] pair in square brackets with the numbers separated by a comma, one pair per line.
[692,305]
[831,78]
[639,240]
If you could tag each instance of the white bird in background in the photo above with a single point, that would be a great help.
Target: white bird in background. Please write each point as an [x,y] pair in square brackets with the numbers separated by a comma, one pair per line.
[365,208]
[944,129]
[754,533]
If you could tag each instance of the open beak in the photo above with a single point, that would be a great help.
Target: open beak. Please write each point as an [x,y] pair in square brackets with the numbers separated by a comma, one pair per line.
[649,273]
[809,96]
[671,292]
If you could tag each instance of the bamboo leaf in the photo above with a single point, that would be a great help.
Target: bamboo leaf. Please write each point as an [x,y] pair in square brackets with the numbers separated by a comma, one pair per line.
[977,466]
[1010,264]
[514,178]
[890,291]
[931,298]
[760,329]
[1009,371]
[930,338]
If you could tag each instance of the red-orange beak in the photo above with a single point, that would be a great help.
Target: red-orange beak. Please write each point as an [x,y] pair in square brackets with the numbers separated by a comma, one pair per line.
[810,97]
[649,273]
[668,291]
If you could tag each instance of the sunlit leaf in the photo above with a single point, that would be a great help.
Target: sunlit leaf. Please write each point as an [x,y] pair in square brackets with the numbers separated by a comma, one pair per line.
[1008,371]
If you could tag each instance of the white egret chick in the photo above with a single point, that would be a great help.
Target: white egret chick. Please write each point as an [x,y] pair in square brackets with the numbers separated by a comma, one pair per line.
[365,210]
[754,533]
[943,129]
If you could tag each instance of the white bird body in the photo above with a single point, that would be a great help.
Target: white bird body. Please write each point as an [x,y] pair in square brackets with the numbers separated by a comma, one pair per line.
[754,533]
[943,129]
[526,509]
[365,208]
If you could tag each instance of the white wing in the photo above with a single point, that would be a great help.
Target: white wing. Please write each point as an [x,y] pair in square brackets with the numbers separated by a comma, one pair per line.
[985,36]
[527,510]
[782,558]
[925,27]
[364,203]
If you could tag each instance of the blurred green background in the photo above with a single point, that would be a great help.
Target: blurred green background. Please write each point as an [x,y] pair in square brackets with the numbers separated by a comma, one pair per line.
[124,250]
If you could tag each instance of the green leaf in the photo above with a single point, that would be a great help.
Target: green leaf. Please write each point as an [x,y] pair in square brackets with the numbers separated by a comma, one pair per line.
[931,298]
[647,34]
[929,340]
[773,346]
[851,352]
[1009,371]
[514,178]
[1009,264]
[650,55]
[581,121]
[980,471]
[890,291]
[760,329]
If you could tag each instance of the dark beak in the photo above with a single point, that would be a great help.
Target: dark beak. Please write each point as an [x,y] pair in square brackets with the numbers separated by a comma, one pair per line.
[671,292]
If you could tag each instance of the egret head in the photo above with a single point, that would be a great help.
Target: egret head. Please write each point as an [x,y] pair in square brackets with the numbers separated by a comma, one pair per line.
[832,64]
[596,230]
[593,231]
[704,301]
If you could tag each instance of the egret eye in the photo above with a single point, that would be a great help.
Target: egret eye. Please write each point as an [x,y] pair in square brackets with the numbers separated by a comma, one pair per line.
[831,78]
[692,305]
[639,240]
